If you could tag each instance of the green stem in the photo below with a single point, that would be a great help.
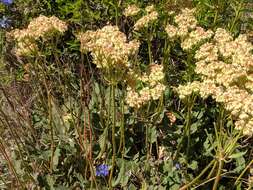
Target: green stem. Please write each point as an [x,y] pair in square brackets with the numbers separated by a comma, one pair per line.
[188,129]
[52,133]
[109,107]
[149,51]
[117,15]
[146,141]
[122,130]
[199,176]
[220,149]
[237,13]
[245,169]
[215,17]
[113,134]
[218,176]
[212,170]
[1,47]
[50,118]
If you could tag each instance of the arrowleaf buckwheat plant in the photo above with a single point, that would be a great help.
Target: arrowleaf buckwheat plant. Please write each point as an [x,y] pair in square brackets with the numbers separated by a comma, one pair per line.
[150,95]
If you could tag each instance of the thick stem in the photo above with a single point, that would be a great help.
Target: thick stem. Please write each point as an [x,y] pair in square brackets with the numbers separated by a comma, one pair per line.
[122,130]
[109,108]
[113,134]
[218,176]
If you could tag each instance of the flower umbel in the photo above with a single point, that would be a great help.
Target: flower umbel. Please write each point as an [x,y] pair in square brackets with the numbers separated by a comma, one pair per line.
[225,66]
[109,47]
[39,27]
[131,10]
[153,87]
[102,170]
[144,21]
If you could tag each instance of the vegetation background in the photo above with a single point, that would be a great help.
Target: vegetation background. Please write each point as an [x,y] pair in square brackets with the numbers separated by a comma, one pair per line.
[60,119]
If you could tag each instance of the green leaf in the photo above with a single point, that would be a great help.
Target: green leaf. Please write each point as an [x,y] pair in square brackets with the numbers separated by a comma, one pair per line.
[193,165]
[102,142]
[132,187]
[237,155]
[153,134]
[57,154]
[122,177]
[50,181]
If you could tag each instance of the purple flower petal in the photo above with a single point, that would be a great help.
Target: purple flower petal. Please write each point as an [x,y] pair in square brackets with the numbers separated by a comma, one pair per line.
[102,170]
[4,22]
[6,2]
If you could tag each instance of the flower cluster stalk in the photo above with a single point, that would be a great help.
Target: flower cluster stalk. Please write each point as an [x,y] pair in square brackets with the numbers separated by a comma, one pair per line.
[243,172]
[185,187]
[112,86]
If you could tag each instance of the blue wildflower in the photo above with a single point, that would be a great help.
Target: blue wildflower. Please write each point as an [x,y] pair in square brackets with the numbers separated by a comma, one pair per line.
[178,166]
[6,2]
[4,22]
[102,170]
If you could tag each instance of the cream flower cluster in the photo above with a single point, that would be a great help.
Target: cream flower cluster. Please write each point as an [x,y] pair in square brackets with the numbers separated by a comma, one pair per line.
[195,37]
[187,29]
[225,65]
[185,21]
[108,46]
[153,88]
[151,16]
[131,10]
[41,26]
[208,52]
